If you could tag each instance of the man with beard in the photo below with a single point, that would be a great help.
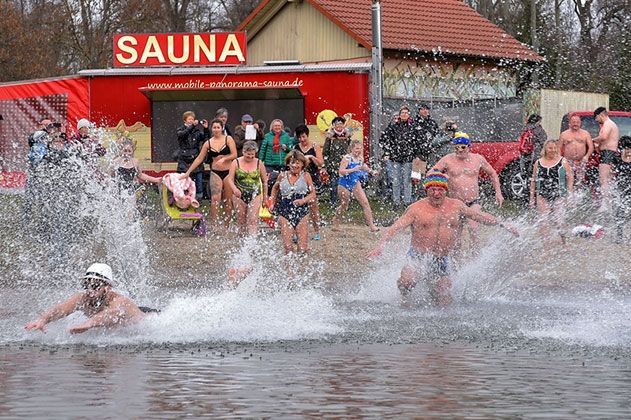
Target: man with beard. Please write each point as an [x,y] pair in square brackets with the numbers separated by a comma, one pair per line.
[436,223]
[576,147]
[102,306]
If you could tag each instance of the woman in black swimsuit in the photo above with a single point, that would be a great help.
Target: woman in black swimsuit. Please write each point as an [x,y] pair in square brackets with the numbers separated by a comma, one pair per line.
[552,181]
[126,171]
[313,153]
[219,151]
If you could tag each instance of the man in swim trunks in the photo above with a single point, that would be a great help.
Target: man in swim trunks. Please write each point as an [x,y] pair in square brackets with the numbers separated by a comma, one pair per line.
[576,147]
[463,169]
[607,142]
[103,306]
[436,222]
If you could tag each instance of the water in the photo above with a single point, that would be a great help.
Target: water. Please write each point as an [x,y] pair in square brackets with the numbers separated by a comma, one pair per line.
[532,333]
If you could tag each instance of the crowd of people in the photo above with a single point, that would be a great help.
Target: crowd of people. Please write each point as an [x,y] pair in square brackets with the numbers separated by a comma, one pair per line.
[285,172]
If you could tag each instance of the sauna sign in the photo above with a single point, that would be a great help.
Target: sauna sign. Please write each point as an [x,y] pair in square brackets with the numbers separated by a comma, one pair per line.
[201,49]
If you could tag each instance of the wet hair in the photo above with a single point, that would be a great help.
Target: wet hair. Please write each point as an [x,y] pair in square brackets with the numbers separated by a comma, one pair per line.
[220,112]
[126,141]
[543,148]
[599,111]
[404,107]
[297,156]
[250,145]
[424,106]
[534,118]
[188,114]
[624,142]
[353,143]
[338,119]
[300,130]
[216,121]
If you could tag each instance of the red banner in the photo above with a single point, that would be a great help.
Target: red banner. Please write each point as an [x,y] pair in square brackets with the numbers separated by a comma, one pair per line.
[201,49]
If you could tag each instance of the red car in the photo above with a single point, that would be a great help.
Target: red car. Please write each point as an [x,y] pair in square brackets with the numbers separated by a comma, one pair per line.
[504,155]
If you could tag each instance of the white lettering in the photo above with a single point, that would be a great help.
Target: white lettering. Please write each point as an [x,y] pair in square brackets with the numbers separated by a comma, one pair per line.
[125,44]
[185,50]
[208,49]
[152,50]
[232,48]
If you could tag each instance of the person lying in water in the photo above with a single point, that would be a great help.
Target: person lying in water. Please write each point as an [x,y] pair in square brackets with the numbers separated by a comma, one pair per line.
[436,222]
[103,306]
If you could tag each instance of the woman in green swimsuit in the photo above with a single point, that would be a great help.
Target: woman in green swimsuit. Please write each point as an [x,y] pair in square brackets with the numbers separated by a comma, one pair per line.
[246,177]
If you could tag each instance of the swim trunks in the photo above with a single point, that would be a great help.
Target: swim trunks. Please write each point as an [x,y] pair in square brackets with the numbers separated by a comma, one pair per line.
[433,266]
[472,202]
[609,157]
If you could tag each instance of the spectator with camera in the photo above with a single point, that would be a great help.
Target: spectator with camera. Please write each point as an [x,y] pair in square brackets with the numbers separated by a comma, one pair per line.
[190,137]
[84,144]
[242,133]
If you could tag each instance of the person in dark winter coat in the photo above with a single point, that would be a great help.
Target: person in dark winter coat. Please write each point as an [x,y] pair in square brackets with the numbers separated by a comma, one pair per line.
[538,137]
[190,138]
[400,146]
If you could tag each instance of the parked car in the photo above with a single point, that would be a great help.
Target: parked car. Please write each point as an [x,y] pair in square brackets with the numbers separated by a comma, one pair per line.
[504,155]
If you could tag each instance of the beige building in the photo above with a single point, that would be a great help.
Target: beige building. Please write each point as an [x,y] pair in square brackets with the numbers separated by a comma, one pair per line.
[436,50]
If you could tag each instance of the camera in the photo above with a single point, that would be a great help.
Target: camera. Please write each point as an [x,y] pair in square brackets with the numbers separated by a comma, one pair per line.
[450,126]
[53,125]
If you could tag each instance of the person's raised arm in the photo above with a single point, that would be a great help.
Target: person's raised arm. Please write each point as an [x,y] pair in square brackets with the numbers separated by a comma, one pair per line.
[604,133]
[184,130]
[441,165]
[146,178]
[495,180]
[59,311]
[401,223]
[198,160]
[484,218]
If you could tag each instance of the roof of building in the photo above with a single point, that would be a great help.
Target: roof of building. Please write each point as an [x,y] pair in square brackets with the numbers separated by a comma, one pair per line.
[441,26]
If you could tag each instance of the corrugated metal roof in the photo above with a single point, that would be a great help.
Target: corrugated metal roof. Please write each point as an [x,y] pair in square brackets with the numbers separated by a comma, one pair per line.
[300,68]
[447,26]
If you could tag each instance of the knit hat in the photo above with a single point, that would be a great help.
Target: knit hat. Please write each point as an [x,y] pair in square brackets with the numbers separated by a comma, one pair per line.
[83,123]
[436,179]
[461,137]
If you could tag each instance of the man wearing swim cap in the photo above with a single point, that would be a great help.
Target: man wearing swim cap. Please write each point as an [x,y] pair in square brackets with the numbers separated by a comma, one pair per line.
[99,302]
[463,169]
[436,223]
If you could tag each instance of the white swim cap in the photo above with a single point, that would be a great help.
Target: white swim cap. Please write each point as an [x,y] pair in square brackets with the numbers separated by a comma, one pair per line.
[100,271]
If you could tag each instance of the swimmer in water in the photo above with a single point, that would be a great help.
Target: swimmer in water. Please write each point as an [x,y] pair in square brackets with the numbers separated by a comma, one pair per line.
[103,306]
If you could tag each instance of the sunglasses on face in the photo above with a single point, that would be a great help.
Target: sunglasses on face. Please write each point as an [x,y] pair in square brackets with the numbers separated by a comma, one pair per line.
[461,147]
[93,284]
